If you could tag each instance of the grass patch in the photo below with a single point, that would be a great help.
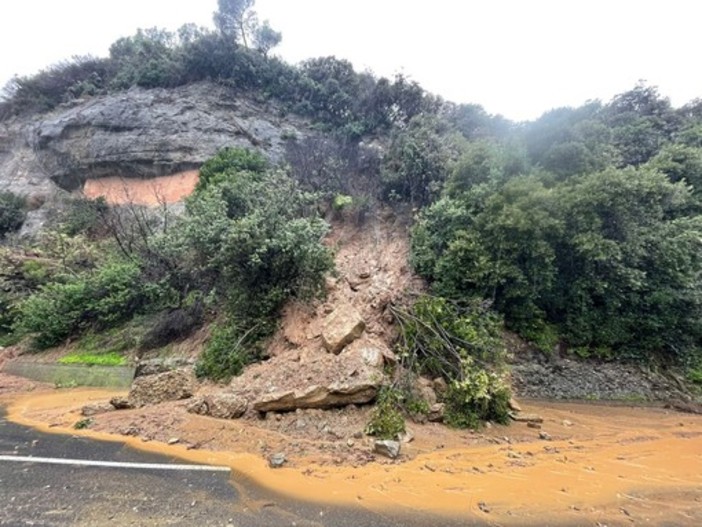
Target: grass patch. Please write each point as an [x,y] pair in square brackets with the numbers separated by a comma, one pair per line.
[95,359]
[83,424]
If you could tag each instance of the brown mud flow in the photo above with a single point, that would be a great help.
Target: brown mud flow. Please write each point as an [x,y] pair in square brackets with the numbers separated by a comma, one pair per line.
[609,464]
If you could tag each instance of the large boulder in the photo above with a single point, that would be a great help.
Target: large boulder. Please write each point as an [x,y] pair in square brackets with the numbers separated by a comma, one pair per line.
[327,381]
[341,328]
[351,391]
[169,386]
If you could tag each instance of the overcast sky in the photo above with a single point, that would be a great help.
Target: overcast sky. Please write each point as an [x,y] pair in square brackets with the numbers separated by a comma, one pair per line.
[518,58]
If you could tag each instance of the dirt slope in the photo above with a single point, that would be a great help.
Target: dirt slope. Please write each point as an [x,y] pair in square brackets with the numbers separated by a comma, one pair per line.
[371,272]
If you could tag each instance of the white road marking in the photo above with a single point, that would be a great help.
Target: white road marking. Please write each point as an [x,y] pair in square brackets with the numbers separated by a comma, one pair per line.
[112,464]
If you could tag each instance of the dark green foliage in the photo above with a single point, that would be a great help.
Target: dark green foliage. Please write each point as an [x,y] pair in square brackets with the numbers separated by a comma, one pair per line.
[148,59]
[100,300]
[475,124]
[257,235]
[12,213]
[227,164]
[611,259]
[417,162]
[330,89]
[680,163]
[71,79]
[8,314]
[642,122]
[83,216]
[484,162]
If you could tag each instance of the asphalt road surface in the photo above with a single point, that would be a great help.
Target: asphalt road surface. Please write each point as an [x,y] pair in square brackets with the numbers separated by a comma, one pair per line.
[47,494]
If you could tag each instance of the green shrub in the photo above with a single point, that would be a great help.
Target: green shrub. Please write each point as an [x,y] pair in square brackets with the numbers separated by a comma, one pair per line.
[8,313]
[102,299]
[83,216]
[83,424]
[342,201]
[480,395]
[436,334]
[12,213]
[386,420]
[228,163]
[464,346]
[227,352]
[417,162]
[608,261]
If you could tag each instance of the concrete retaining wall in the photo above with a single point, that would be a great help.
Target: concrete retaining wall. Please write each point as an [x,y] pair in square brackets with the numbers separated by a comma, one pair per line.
[73,374]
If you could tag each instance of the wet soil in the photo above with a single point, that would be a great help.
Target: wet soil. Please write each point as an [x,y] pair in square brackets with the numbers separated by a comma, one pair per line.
[606,464]
[153,191]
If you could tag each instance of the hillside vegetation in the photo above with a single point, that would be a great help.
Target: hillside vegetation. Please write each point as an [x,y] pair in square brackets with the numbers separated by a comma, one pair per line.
[580,231]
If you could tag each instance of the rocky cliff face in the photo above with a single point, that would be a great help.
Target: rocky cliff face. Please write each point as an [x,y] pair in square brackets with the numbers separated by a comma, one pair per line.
[138,133]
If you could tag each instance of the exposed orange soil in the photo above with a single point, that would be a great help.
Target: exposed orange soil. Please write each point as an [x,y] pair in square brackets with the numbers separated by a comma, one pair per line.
[608,464]
[153,191]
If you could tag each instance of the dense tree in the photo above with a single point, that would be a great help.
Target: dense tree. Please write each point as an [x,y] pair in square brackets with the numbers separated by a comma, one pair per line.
[146,59]
[680,163]
[610,258]
[266,38]
[12,213]
[642,122]
[236,19]
[416,163]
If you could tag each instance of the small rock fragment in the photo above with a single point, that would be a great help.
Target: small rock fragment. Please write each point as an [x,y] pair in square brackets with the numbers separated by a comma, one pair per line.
[120,403]
[406,437]
[387,448]
[514,405]
[277,460]
[526,418]
[545,436]
[96,408]
[436,412]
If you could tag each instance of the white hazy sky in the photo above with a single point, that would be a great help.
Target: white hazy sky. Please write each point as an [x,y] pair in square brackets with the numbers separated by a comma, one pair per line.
[515,57]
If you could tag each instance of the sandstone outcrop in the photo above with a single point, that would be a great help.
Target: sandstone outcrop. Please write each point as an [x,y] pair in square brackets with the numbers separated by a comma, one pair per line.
[140,133]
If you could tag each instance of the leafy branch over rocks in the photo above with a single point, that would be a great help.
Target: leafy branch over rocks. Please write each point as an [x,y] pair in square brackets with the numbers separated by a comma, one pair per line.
[461,344]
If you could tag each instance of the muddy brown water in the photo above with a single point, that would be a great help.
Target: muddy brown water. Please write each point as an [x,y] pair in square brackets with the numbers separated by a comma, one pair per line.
[608,464]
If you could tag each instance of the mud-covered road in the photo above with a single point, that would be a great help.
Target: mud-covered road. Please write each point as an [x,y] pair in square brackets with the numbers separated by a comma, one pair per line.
[588,464]
[145,490]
